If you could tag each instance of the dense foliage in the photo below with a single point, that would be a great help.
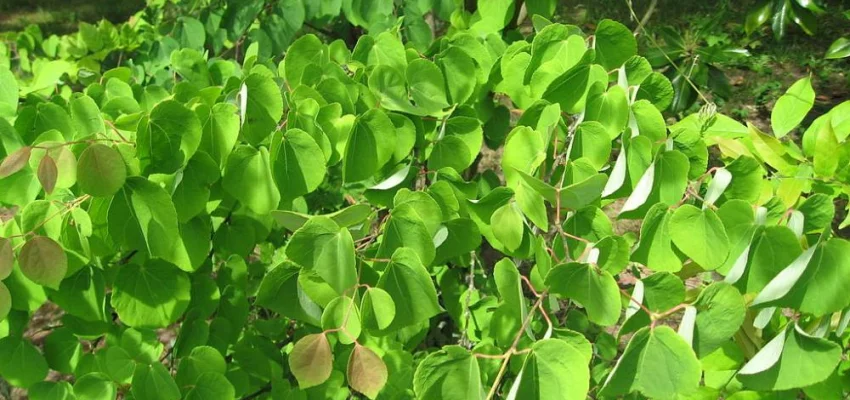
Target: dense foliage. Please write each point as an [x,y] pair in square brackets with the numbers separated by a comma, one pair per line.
[221,204]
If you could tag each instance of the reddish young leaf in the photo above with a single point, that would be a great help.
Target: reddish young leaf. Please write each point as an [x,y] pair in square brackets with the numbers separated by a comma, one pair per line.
[7,258]
[311,360]
[367,373]
[43,261]
[15,161]
[47,173]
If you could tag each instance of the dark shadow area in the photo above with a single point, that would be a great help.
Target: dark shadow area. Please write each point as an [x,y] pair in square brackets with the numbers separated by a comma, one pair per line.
[62,16]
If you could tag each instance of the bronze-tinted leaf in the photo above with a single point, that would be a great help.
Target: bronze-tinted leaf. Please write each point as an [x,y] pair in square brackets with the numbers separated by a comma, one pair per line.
[311,360]
[7,258]
[47,173]
[367,373]
[15,161]
[101,170]
[43,261]
[5,301]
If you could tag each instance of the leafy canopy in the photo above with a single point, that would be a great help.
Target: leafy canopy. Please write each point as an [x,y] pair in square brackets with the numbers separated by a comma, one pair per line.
[223,204]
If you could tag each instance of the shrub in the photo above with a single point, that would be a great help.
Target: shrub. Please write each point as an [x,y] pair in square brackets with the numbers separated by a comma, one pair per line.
[483,216]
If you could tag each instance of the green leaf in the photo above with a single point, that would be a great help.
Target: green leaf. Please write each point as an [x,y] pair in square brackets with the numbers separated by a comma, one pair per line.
[8,93]
[610,108]
[614,44]
[569,89]
[20,362]
[43,261]
[820,289]
[263,107]
[508,225]
[142,217]
[190,33]
[153,295]
[323,246]
[200,361]
[494,15]
[827,152]
[281,292]
[369,147]
[406,228]
[655,249]
[720,312]
[346,217]
[792,107]
[410,286]
[700,235]
[62,350]
[219,130]
[95,386]
[427,88]
[341,313]
[840,48]
[554,370]
[450,374]
[51,391]
[592,143]
[167,138]
[297,163]
[657,363]
[211,386]
[366,372]
[595,289]
[248,178]
[524,151]
[772,249]
[304,53]
[311,360]
[378,309]
[152,382]
[757,16]
[101,170]
[804,361]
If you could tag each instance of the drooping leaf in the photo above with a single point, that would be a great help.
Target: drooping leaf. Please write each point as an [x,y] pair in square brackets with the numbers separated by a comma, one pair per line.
[554,370]
[366,372]
[409,285]
[700,235]
[311,360]
[248,178]
[657,363]
[595,289]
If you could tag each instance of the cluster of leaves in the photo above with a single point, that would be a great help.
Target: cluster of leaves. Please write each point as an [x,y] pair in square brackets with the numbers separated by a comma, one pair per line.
[694,59]
[782,14]
[325,224]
